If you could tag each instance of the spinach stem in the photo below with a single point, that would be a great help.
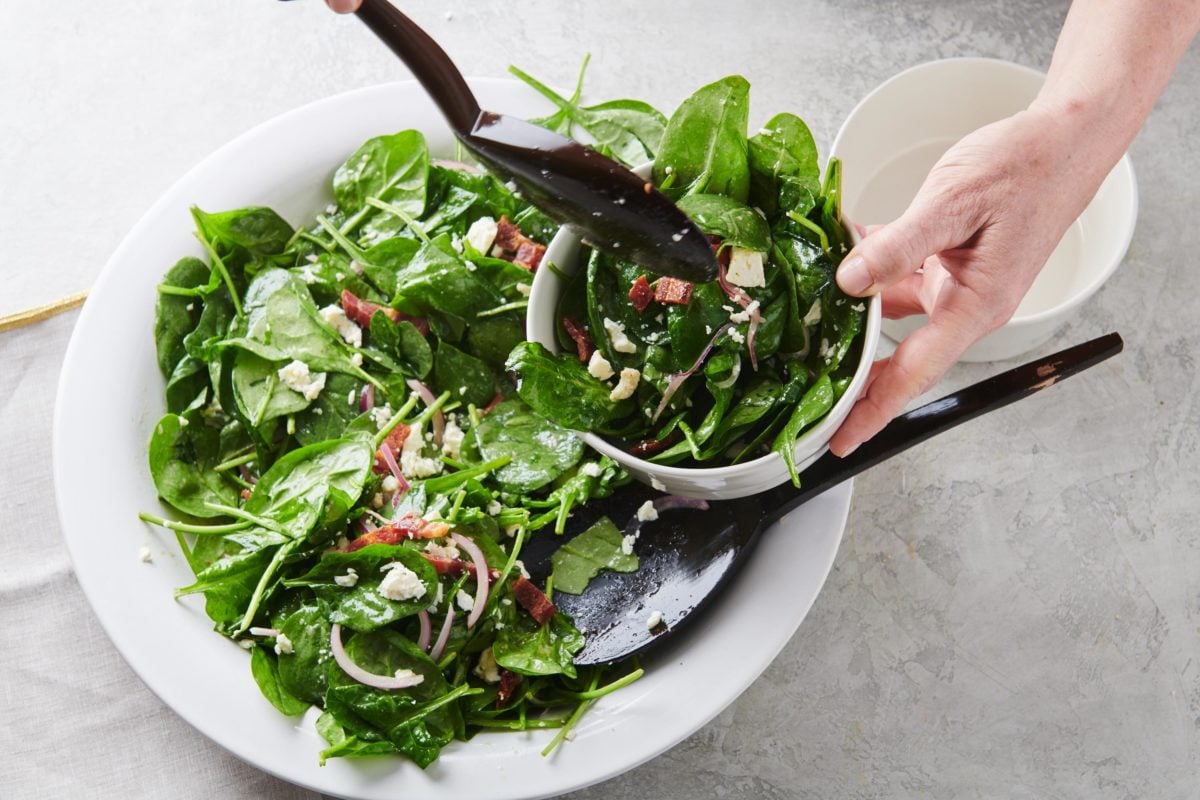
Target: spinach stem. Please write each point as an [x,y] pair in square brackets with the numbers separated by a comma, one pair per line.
[350,247]
[187,527]
[261,588]
[404,216]
[812,226]
[566,728]
[179,291]
[516,305]
[236,461]
[395,419]
[515,725]
[569,108]
[619,683]
[319,242]
[253,519]
[219,266]
[352,222]
[432,408]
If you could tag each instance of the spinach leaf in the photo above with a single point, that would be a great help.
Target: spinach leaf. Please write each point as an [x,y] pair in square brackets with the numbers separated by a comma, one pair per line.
[343,745]
[265,668]
[693,326]
[466,378]
[259,394]
[302,673]
[815,404]
[393,168]
[175,316]
[329,416]
[540,451]
[186,383]
[417,721]
[258,231]
[402,342]
[435,280]
[362,606]
[183,451]
[383,261]
[737,223]
[527,648]
[599,547]
[228,584]
[560,389]
[704,148]
[491,339]
[783,165]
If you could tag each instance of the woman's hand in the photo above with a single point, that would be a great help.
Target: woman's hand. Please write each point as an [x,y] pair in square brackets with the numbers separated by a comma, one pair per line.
[983,224]
[344,6]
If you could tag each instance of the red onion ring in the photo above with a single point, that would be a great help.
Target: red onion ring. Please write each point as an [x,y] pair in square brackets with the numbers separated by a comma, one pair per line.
[481,576]
[427,395]
[426,630]
[679,377]
[366,400]
[361,675]
[389,458]
[443,635]
[732,292]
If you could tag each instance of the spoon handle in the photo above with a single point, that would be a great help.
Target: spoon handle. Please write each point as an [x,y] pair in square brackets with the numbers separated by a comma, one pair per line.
[428,62]
[940,415]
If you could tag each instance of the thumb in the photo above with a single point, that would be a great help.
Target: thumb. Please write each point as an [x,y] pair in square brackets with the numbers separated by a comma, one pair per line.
[894,251]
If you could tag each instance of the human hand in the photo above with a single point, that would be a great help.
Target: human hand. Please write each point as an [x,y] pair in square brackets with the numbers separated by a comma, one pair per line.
[344,6]
[982,226]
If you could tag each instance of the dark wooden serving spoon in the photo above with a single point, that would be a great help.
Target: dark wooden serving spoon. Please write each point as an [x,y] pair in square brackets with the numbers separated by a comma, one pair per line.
[614,209]
[687,555]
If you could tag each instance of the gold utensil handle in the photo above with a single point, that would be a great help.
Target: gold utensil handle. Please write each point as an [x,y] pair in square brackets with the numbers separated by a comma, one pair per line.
[31,315]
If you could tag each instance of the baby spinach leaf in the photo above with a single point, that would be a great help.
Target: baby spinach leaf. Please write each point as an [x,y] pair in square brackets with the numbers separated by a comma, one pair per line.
[491,339]
[188,380]
[527,648]
[175,316]
[343,745]
[693,326]
[435,280]
[540,451]
[402,342]
[815,404]
[393,168]
[704,148]
[783,165]
[737,223]
[331,413]
[599,547]
[384,260]
[265,668]
[228,584]
[416,721]
[257,230]
[362,606]
[313,485]
[560,389]
[258,391]
[302,673]
[183,451]
[466,378]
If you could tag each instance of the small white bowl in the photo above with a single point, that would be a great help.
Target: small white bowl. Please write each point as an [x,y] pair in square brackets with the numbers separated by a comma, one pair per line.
[897,132]
[712,483]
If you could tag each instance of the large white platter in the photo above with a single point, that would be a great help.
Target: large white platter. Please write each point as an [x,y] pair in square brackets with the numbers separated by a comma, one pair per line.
[110,396]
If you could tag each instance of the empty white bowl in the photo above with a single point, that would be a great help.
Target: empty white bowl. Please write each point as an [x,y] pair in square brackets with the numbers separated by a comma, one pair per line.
[713,483]
[897,132]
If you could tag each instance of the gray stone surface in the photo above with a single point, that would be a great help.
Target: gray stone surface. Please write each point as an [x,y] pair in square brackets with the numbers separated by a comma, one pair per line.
[1015,610]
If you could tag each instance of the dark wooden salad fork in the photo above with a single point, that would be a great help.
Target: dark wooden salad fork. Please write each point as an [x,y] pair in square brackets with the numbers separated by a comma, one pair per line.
[615,210]
[688,554]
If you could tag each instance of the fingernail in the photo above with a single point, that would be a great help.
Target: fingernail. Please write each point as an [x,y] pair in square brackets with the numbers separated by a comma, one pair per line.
[853,276]
[847,451]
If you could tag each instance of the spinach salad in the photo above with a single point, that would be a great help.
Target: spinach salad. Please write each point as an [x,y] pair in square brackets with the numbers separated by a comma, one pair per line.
[355,470]
[715,373]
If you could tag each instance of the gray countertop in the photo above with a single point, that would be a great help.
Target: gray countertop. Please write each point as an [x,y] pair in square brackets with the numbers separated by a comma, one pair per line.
[1015,609]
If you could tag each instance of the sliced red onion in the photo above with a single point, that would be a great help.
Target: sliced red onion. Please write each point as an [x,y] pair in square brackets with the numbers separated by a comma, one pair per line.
[732,292]
[755,321]
[443,636]
[247,475]
[361,675]
[734,374]
[263,632]
[679,377]
[672,502]
[426,630]
[427,395]
[481,576]
[366,400]
[366,524]
[389,458]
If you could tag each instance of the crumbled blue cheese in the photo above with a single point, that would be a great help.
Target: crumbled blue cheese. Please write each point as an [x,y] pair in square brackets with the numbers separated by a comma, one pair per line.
[494,508]
[144,555]
[745,314]
[452,439]
[859,307]
[524,288]
[521,566]
[813,315]
[456,243]
[351,397]
[511,530]
[412,463]
[487,668]
[405,674]
[307,275]
[297,377]
[737,336]
[356,359]
[336,318]
[657,484]
[591,469]
[390,484]
[401,583]
[283,645]
[599,366]
[745,268]
[616,334]
[448,550]
[626,384]
[482,233]
[464,601]
[627,544]
[647,512]
[348,580]
[382,416]
[437,599]
[654,620]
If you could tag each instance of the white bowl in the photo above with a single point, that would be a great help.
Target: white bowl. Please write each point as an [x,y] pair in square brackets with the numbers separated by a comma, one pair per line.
[897,132]
[713,483]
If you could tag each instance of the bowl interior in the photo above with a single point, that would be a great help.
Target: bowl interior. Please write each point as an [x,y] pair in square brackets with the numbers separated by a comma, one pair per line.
[897,133]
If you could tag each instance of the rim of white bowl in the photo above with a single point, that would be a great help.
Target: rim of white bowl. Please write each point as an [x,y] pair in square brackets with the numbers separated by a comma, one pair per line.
[1123,168]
